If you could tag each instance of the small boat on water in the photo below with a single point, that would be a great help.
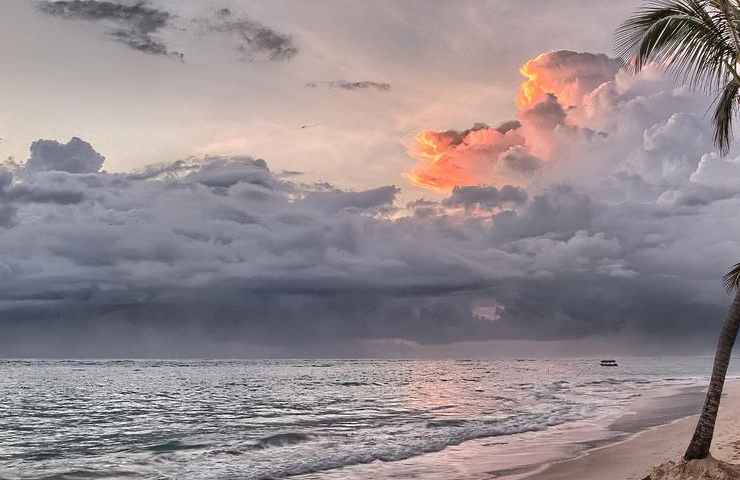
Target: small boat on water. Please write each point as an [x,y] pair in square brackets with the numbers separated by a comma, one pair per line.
[609,363]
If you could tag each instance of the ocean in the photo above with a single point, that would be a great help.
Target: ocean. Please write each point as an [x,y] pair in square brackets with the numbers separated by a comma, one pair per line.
[310,419]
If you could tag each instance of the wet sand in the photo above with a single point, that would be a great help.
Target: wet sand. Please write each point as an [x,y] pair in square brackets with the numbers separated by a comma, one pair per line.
[632,458]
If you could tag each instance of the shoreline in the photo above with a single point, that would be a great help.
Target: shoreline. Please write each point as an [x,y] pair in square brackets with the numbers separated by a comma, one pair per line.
[632,456]
[541,455]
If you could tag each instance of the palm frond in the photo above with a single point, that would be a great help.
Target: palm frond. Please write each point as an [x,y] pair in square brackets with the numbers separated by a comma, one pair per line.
[725,110]
[699,42]
[732,278]
[726,17]
[687,37]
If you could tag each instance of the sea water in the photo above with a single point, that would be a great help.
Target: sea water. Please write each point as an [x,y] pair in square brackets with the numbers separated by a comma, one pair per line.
[270,419]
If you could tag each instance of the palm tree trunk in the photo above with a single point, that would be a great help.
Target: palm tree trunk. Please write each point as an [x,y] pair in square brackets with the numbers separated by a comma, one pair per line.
[702,440]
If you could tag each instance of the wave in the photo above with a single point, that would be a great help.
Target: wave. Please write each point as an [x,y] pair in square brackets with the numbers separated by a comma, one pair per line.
[439,434]
[282,440]
[175,445]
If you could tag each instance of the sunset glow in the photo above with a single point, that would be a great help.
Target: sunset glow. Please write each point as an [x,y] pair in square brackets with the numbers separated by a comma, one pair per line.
[530,89]
[437,168]
[451,158]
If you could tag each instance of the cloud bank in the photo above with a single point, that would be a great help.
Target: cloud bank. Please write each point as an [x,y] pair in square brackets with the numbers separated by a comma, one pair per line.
[606,216]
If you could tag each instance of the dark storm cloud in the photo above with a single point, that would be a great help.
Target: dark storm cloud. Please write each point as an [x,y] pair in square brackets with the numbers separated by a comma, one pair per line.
[7,214]
[485,197]
[366,200]
[579,305]
[345,85]
[558,210]
[200,256]
[136,27]
[223,246]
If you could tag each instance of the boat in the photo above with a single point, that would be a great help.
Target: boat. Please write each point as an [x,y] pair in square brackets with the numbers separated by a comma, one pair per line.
[609,363]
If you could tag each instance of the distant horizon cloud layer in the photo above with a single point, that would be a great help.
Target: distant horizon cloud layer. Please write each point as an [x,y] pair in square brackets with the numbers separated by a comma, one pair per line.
[610,216]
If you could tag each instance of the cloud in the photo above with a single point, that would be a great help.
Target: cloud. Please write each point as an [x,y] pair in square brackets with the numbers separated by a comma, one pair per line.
[48,187]
[76,156]
[716,171]
[552,103]
[460,158]
[546,114]
[221,235]
[152,30]
[363,201]
[671,149]
[518,160]
[231,256]
[565,74]
[559,210]
[254,41]
[485,197]
[597,234]
[583,251]
[136,26]
[352,86]
[508,126]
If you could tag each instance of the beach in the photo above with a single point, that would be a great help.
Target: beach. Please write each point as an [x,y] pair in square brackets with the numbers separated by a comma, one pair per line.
[632,458]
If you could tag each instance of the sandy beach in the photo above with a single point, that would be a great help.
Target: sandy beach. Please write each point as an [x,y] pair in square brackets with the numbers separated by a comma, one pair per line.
[632,458]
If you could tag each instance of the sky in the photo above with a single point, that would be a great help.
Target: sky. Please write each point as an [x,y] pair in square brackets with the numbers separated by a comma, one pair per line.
[286,178]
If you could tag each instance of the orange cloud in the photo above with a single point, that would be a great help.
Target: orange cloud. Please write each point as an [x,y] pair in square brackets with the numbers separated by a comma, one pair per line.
[452,158]
[555,83]
[567,75]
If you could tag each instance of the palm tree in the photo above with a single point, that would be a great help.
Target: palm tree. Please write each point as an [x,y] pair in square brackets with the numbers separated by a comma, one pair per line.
[699,41]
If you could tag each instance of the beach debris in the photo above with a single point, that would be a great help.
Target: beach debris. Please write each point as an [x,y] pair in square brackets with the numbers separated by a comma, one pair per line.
[704,469]
[609,363]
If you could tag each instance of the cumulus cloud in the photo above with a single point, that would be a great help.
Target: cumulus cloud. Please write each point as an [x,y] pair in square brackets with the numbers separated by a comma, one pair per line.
[459,158]
[352,86]
[546,114]
[551,102]
[568,75]
[717,172]
[75,156]
[557,211]
[583,251]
